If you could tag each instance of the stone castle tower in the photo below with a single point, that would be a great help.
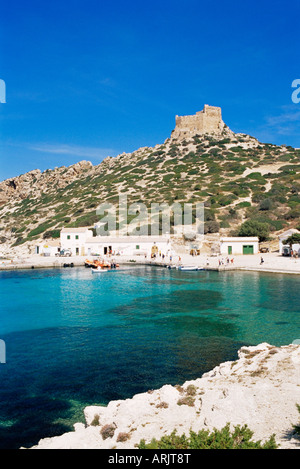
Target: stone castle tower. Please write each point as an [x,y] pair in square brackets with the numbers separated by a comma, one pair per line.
[207,121]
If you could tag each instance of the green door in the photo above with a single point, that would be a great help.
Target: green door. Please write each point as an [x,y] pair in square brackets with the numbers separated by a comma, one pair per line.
[229,249]
[248,249]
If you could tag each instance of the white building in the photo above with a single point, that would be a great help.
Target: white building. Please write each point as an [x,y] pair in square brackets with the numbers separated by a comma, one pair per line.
[239,245]
[75,240]
[82,243]
[128,246]
[48,248]
[284,248]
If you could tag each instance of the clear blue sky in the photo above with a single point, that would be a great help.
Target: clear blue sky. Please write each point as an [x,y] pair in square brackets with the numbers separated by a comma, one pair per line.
[88,79]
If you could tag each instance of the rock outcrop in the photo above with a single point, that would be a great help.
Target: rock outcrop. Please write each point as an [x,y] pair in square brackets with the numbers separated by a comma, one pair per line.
[36,182]
[260,389]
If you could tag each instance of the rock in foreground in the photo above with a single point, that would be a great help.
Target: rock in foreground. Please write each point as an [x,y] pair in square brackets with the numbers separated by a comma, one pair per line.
[260,389]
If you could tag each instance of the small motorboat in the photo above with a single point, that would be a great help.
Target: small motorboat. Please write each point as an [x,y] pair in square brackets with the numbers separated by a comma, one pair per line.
[99,270]
[101,264]
[188,267]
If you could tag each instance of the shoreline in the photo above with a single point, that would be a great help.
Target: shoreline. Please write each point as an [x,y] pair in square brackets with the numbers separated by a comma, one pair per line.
[260,389]
[273,263]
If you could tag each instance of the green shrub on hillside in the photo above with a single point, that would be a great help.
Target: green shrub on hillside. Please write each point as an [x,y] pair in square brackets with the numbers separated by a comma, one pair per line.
[234,167]
[224,224]
[297,427]
[51,234]
[243,204]
[211,227]
[255,228]
[293,239]
[225,199]
[41,228]
[88,219]
[257,177]
[19,241]
[239,438]
[292,214]
[266,204]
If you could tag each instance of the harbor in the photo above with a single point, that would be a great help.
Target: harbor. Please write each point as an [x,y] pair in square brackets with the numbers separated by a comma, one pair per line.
[269,262]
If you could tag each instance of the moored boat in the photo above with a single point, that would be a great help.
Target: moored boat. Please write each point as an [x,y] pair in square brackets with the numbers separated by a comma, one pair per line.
[99,270]
[189,267]
[100,263]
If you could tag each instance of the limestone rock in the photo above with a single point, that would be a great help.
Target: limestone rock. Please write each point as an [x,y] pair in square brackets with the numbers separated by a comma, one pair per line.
[260,389]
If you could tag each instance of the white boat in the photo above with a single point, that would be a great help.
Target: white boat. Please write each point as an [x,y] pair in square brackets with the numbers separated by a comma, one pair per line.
[189,267]
[100,270]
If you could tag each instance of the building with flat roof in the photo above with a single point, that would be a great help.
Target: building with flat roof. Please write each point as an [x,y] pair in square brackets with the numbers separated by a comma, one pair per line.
[81,242]
[75,239]
[239,245]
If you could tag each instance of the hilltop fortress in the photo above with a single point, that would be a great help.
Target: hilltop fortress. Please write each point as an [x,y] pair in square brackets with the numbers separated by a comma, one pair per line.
[207,121]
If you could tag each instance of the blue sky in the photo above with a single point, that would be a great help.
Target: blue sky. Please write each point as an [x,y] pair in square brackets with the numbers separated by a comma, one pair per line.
[90,79]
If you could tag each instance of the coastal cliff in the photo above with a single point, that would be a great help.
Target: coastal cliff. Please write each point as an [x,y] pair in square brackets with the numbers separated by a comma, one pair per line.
[261,390]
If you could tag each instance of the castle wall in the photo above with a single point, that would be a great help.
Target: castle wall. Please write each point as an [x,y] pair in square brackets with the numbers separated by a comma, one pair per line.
[209,120]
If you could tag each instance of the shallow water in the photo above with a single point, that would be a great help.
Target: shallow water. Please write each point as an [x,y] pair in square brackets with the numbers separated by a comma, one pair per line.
[75,339]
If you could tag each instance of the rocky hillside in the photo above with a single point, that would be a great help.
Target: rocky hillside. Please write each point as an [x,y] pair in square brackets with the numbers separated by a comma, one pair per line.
[237,177]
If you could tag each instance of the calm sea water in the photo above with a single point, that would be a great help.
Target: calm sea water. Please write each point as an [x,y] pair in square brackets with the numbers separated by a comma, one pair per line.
[75,339]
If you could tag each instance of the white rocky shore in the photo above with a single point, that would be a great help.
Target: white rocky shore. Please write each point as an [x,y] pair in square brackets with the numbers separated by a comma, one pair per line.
[260,389]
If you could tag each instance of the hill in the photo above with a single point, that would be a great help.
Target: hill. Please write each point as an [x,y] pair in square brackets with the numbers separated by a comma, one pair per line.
[237,178]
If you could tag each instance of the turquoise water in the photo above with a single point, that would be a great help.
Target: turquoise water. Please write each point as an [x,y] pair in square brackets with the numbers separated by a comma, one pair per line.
[75,339]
